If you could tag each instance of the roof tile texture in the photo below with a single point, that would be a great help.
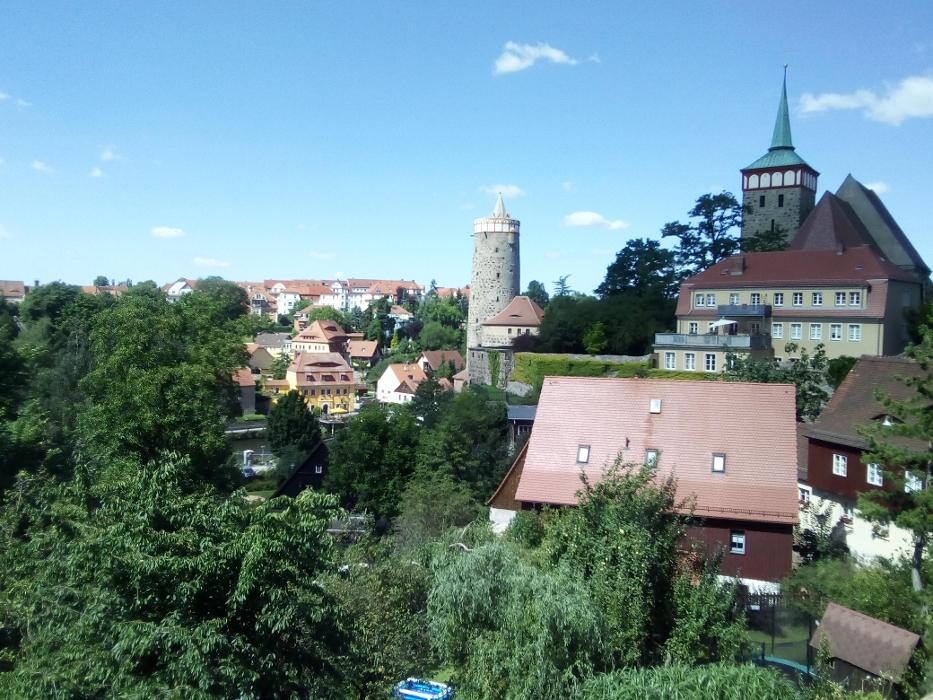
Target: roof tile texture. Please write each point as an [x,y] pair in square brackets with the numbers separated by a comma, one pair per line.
[521,311]
[752,424]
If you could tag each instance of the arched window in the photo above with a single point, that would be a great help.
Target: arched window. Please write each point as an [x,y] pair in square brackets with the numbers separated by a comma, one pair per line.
[766,180]
[753,182]
[789,178]
[776,180]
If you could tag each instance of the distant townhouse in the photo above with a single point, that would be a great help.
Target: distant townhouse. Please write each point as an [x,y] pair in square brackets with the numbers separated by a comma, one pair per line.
[179,288]
[362,292]
[729,445]
[275,343]
[850,300]
[453,292]
[399,382]
[321,336]
[432,360]
[325,380]
[13,291]
[835,470]
[522,316]
[363,353]
[114,290]
[400,315]
[261,302]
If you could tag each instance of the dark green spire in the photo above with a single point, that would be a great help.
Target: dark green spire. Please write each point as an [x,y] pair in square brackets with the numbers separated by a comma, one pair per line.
[781,137]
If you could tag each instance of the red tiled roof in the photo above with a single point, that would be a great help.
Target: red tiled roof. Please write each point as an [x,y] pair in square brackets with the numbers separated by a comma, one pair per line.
[444,292]
[322,331]
[854,404]
[752,424]
[366,349]
[521,311]
[12,289]
[400,312]
[408,376]
[436,358]
[870,644]
[831,224]
[243,377]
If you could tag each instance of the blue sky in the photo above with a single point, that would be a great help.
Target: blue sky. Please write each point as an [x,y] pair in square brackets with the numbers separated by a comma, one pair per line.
[298,139]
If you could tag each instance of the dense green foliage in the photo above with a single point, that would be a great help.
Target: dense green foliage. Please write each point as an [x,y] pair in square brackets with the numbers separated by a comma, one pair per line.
[532,368]
[711,235]
[642,268]
[292,425]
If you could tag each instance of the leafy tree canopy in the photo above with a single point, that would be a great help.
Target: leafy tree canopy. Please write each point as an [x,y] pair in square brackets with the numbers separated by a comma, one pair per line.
[537,292]
[101,281]
[292,424]
[642,268]
[711,235]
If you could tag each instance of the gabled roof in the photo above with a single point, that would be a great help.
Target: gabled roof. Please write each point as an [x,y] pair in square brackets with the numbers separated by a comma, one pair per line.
[810,267]
[831,224]
[407,377]
[444,292]
[866,642]
[881,226]
[318,362]
[435,358]
[322,332]
[854,403]
[752,424]
[243,377]
[365,349]
[400,312]
[521,311]
[12,289]
[272,340]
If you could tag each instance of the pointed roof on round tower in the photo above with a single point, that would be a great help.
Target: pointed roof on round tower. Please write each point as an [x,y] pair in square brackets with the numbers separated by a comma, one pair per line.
[782,151]
[499,212]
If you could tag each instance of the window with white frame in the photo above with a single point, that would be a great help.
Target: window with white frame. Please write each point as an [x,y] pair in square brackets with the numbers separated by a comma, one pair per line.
[779,298]
[690,361]
[840,298]
[816,331]
[670,360]
[737,542]
[651,458]
[777,330]
[912,482]
[874,476]
[835,331]
[719,462]
[583,454]
[693,328]
[796,331]
[816,299]
[804,494]
[711,300]
[798,298]
[855,332]
[700,301]
[710,362]
[855,298]
[755,298]
[733,298]
[840,465]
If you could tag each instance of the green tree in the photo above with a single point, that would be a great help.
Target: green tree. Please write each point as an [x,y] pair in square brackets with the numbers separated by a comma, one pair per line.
[432,503]
[280,366]
[905,451]
[371,460]
[435,336]
[766,241]
[594,340]
[643,268]
[292,424]
[537,292]
[146,583]
[48,301]
[712,235]
[838,368]
[562,287]
[228,299]
[430,401]
[101,281]
[808,374]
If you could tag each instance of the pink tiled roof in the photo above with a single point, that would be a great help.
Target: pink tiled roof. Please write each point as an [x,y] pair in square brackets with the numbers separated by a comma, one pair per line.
[322,331]
[243,377]
[521,311]
[12,289]
[752,424]
[408,376]
[436,358]
[362,348]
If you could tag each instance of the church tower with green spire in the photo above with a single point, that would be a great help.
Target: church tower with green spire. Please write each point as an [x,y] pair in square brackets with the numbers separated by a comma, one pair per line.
[778,189]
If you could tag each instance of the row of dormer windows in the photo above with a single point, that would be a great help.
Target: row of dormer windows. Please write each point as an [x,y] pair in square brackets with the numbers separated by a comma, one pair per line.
[704,300]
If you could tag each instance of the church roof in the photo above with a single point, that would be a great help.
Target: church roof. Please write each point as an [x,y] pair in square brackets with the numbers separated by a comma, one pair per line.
[881,226]
[830,225]
[499,212]
[782,151]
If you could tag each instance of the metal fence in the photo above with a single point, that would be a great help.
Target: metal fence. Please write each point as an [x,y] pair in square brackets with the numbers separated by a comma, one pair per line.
[779,633]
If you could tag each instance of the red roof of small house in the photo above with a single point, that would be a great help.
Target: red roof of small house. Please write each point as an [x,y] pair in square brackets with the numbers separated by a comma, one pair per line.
[365,349]
[244,377]
[521,311]
[866,642]
[317,368]
[853,405]
[753,425]
[407,376]
[435,358]
[443,292]
[12,289]
[322,332]
[400,312]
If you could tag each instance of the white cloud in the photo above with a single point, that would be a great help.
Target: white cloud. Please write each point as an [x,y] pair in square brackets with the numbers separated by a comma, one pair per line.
[591,218]
[167,232]
[22,104]
[109,153]
[568,186]
[319,255]
[508,191]
[553,255]
[40,166]
[517,57]
[4,234]
[210,262]
[96,172]
[4,96]
[912,98]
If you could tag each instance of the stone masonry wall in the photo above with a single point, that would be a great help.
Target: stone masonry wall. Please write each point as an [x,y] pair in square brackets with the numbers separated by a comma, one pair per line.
[798,202]
[495,279]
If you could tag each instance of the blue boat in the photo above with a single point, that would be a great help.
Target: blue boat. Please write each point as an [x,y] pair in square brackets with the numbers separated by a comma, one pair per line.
[418,689]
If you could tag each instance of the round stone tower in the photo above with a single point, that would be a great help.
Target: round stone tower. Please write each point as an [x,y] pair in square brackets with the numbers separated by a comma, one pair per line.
[495,277]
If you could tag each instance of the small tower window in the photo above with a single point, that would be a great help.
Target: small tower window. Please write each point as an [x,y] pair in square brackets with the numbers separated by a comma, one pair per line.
[780,200]
[761,201]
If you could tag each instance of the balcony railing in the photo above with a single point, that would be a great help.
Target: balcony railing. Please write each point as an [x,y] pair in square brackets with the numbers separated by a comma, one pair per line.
[760,341]
[744,310]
